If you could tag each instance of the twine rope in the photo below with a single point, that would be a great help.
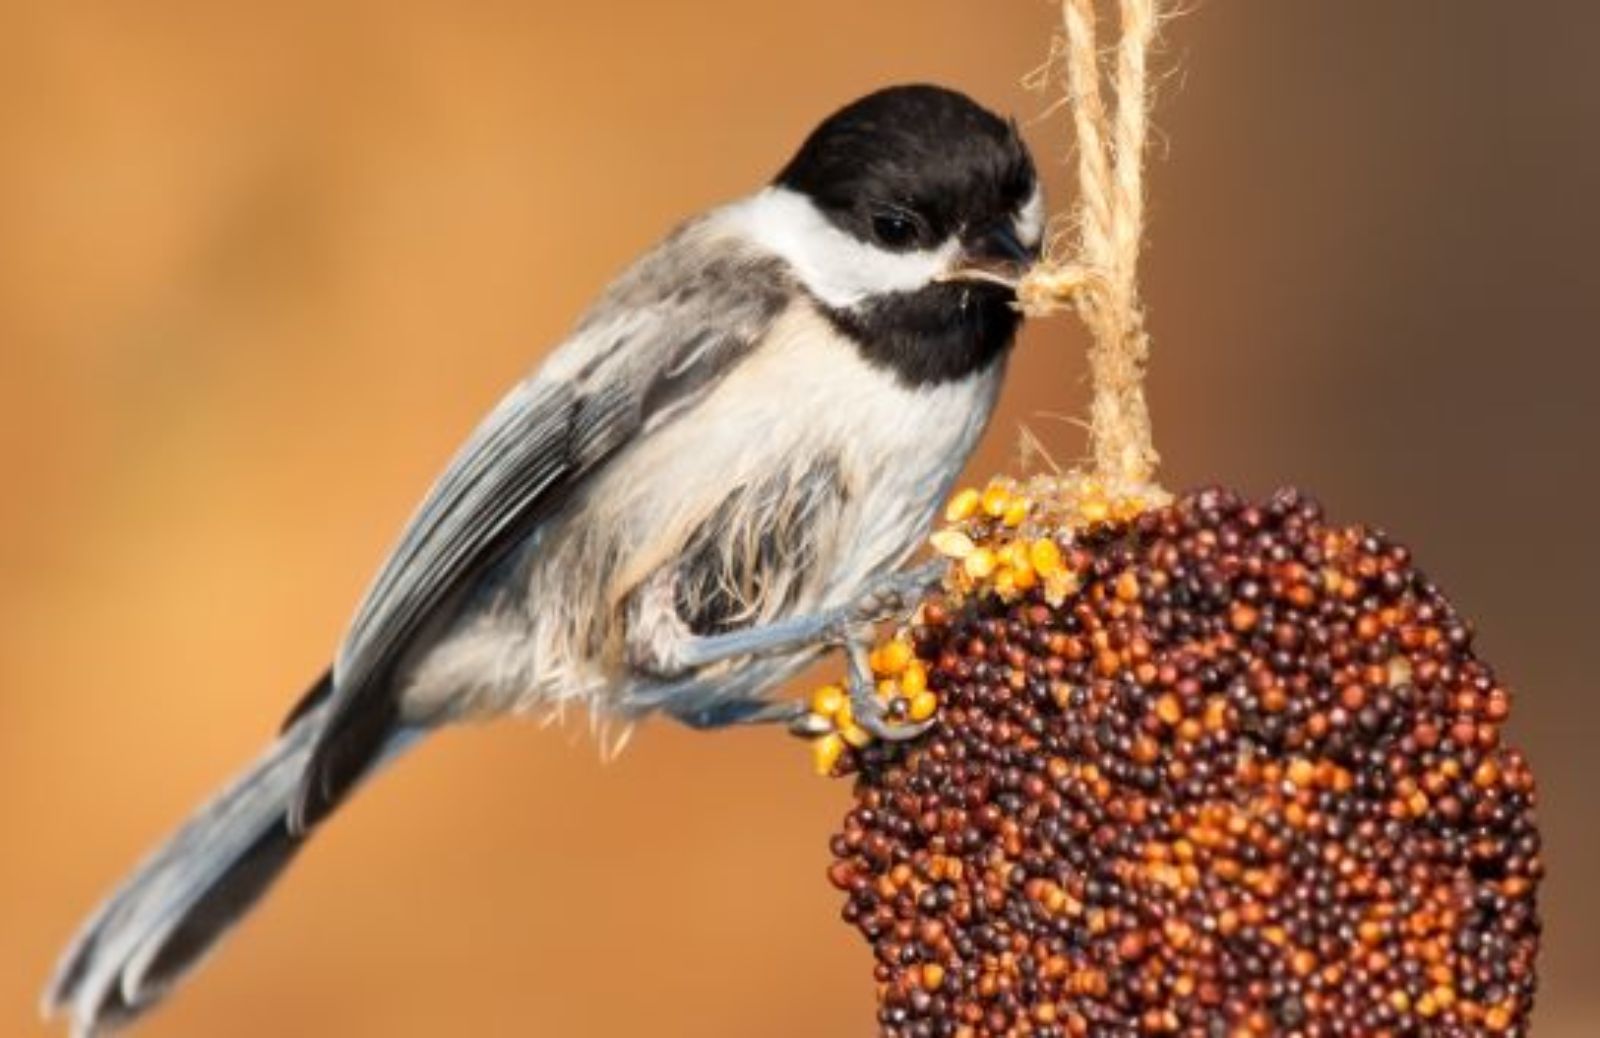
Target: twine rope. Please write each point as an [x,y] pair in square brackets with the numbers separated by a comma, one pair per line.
[1091,264]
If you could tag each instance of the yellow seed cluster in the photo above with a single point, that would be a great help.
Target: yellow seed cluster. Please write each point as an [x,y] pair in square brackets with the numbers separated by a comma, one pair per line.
[1003,539]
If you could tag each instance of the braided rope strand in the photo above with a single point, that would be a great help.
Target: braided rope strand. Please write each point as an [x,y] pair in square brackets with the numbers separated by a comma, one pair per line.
[1100,282]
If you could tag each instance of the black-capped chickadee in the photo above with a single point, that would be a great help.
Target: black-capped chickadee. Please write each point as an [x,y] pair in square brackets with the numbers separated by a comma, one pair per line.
[716,478]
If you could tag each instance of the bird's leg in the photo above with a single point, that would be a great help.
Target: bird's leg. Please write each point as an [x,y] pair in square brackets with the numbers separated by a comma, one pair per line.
[728,712]
[865,706]
[661,647]
[664,650]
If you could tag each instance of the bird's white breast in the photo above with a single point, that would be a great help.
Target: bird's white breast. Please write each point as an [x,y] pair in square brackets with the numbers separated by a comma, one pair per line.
[805,393]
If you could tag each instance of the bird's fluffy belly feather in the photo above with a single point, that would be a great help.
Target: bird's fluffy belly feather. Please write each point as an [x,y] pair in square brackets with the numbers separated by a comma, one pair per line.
[769,508]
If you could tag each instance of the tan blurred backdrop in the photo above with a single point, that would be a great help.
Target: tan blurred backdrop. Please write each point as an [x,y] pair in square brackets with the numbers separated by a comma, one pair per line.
[262,264]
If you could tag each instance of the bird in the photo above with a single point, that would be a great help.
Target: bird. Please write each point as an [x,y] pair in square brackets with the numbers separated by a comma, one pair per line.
[720,475]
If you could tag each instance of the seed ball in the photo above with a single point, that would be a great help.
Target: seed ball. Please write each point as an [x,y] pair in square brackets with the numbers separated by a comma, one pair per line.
[1247,777]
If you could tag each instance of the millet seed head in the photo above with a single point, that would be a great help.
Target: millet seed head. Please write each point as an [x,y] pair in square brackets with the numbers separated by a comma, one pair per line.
[1221,768]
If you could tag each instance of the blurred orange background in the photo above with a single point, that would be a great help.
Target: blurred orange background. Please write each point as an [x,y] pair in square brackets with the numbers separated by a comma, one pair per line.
[262,265]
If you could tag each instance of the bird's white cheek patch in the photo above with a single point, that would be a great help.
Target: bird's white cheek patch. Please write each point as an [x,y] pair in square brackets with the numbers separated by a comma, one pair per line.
[835,267]
[1029,221]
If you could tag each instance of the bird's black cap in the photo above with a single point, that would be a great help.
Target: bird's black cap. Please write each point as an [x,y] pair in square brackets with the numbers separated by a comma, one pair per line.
[940,158]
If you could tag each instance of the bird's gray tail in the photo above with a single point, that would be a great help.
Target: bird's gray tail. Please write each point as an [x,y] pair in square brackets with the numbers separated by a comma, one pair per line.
[185,896]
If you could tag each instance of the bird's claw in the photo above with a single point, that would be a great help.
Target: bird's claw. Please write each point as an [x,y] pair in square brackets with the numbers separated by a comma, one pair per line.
[871,717]
[868,710]
[808,725]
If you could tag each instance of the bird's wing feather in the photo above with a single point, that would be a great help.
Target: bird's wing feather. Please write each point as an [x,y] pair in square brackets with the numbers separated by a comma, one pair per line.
[659,338]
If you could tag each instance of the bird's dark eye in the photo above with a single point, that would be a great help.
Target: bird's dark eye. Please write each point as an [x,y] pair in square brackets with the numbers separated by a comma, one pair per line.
[894,228]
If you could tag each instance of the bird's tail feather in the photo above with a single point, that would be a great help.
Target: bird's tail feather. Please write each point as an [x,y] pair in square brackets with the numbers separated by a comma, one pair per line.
[186,895]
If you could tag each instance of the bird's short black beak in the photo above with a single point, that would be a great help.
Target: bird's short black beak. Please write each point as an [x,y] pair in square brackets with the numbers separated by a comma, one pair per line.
[999,244]
[994,254]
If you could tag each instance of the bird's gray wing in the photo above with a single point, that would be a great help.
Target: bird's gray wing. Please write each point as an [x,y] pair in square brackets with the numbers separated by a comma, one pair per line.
[659,338]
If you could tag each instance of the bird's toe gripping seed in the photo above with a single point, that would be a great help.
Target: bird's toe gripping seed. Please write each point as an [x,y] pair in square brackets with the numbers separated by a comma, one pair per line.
[886,699]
